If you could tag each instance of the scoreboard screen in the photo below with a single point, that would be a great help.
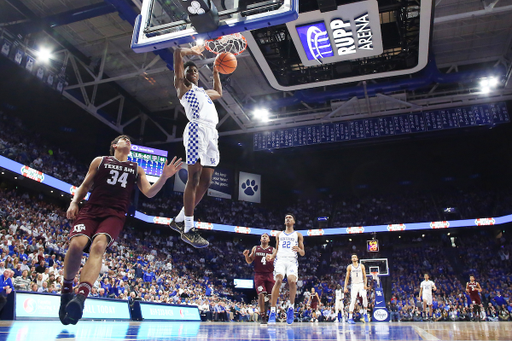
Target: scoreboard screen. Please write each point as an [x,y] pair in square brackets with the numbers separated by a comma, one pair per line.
[150,159]
[372,245]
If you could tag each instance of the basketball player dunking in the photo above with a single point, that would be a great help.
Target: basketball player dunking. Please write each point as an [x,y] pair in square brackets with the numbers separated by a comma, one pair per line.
[288,244]
[426,292]
[200,139]
[263,272]
[474,289]
[359,285]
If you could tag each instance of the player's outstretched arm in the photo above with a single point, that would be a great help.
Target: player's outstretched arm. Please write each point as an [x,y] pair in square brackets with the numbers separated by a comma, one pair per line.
[216,93]
[151,190]
[86,185]
[180,83]
[421,292]
[300,248]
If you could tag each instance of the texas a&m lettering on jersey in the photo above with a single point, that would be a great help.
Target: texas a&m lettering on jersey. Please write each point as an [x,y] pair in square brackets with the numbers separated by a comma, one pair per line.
[113,183]
[261,264]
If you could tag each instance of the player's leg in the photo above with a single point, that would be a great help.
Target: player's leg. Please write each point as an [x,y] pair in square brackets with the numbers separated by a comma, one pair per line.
[198,178]
[259,283]
[353,298]
[72,262]
[275,293]
[292,284]
[88,276]
[364,296]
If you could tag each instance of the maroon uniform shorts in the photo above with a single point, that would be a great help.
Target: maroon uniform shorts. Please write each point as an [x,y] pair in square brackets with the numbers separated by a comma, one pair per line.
[94,220]
[264,282]
[475,298]
[314,305]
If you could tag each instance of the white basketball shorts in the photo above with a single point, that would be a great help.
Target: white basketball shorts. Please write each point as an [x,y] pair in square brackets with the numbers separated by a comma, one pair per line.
[427,298]
[201,143]
[286,267]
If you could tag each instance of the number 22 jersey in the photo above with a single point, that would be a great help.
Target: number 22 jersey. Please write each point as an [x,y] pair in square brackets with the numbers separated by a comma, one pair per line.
[113,184]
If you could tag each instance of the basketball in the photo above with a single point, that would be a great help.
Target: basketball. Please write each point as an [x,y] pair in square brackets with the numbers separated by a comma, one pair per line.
[226,63]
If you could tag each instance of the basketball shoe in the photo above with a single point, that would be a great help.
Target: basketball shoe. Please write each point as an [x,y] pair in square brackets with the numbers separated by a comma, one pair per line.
[351,321]
[366,318]
[193,238]
[75,309]
[178,227]
[289,315]
[263,318]
[272,318]
[64,300]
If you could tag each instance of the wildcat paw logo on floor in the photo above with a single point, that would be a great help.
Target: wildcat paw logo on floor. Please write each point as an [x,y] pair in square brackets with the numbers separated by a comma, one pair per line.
[250,187]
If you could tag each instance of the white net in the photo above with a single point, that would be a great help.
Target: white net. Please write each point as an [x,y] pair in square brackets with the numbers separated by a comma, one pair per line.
[375,276]
[233,43]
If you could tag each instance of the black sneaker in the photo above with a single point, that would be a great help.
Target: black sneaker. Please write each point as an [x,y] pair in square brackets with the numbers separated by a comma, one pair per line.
[193,238]
[75,309]
[264,319]
[64,300]
[178,227]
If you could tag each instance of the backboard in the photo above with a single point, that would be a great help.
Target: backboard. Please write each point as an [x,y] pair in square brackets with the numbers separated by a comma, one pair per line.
[166,23]
[376,264]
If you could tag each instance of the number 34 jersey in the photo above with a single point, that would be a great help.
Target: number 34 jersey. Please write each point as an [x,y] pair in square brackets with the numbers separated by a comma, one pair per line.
[260,261]
[113,184]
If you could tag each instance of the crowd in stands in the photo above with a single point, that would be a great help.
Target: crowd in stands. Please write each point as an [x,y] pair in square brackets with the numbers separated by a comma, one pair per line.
[154,265]
[450,263]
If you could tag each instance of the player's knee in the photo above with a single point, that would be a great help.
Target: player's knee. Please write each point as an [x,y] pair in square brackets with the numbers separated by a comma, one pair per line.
[99,244]
[77,245]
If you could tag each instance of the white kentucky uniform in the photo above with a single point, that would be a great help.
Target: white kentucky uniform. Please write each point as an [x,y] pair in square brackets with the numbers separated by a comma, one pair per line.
[339,300]
[357,286]
[427,291]
[286,263]
[200,137]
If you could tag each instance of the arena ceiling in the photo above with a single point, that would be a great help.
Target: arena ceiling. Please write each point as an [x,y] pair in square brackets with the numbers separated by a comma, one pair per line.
[133,93]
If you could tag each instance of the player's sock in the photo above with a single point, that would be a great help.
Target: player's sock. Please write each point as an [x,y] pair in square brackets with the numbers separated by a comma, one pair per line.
[272,309]
[181,216]
[84,288]
[350,316]
[189,223]
[292,306]
[67,286]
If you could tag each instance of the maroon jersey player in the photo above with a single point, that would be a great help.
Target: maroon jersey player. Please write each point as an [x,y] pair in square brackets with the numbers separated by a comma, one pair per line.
[263,271]
[474,289]
[111,180]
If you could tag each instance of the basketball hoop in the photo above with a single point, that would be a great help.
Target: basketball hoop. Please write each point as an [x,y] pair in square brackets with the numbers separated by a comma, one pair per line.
[234,43]
[375,276]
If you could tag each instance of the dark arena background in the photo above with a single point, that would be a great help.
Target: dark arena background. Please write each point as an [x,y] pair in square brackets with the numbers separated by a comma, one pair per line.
[383,126]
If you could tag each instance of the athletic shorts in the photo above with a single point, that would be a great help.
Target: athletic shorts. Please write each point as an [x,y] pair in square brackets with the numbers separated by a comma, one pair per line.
[357,289]
[475,298]
[427,298]
[314,305]
[286,267]
[201,143]
[339,305]
[264,282]
[94,220]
